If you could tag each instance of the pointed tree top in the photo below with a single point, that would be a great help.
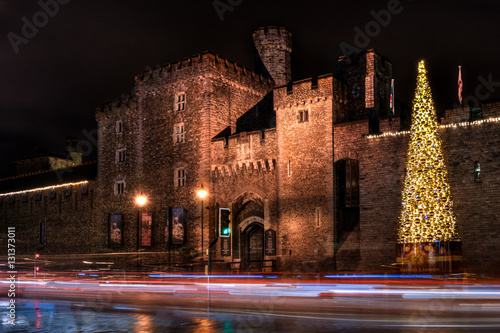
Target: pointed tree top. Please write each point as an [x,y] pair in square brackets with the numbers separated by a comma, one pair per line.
[423,104]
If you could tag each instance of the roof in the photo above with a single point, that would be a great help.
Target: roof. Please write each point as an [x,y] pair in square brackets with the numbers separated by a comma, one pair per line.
[87,171]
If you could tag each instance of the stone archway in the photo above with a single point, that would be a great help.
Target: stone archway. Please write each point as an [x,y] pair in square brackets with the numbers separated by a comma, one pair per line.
[252,239]
[248,215]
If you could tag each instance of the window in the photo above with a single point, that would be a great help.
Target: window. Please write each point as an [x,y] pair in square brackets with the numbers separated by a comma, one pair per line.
[180,177]
[119,127]
[180,101]
[303,116]
[476,113]
[120,155]
[179,133]
[289,167]
[67,191]
[119,187]
[477,171]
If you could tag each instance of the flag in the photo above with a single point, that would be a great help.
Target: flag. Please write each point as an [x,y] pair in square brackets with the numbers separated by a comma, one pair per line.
[391,101]
[460,84]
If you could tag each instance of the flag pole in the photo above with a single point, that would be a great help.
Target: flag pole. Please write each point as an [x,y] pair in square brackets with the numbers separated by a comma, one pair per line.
[391,101]
[460,84]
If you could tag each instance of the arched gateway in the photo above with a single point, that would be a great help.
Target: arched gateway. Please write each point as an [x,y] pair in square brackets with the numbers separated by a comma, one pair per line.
[248,244]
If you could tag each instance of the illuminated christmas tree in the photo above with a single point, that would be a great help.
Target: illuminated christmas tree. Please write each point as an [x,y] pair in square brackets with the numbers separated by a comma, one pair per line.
[428,238]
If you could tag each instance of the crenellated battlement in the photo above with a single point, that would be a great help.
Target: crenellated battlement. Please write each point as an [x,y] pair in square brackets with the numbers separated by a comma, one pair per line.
[242,167]
[265,36]
[128,103]
[197,65]
[308,90]
[250,151]
[274,48]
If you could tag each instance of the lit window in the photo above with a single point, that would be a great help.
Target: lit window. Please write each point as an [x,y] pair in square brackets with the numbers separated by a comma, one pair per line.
[121,154]
[119,187]
[477,171]
[119,127]
[303,116]
[180,101]
[178,133]
[180,177]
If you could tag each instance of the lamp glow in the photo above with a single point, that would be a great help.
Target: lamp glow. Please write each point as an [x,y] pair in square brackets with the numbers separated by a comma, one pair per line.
[141,200]
[202,193]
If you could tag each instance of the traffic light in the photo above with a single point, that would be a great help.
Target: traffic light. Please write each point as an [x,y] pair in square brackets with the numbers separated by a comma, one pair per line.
[224,222]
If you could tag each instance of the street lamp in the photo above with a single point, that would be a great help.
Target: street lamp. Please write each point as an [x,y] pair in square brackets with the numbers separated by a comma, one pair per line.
[140,200]
[202,193]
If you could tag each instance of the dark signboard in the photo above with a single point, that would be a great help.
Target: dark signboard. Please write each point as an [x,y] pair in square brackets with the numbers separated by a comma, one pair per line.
[225,246]
[270,242]
[115,230]
[146,223]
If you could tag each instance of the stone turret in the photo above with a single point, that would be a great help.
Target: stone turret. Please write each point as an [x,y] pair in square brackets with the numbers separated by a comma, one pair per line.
[274,48]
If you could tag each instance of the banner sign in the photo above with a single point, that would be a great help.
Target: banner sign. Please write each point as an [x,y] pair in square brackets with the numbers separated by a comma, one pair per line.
[147,221]
[178,226]
[115,230]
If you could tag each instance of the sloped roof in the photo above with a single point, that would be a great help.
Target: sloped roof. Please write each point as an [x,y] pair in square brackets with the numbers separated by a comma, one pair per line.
[87,171]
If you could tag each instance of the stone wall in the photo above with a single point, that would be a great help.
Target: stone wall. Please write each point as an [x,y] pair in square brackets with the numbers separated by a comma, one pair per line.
[71,227]
[217,93]
[381,166]
[305,172]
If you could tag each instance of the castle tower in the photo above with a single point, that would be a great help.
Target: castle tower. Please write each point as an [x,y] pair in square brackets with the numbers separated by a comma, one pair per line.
[367,79]
[274,48]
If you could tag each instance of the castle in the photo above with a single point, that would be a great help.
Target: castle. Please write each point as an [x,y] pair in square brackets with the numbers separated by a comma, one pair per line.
[311,171]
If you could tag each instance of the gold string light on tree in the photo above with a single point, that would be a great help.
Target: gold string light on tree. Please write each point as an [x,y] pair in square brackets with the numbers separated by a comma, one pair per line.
[427,205]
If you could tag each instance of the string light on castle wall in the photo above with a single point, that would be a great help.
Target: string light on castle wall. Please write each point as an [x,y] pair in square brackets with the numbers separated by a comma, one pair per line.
[455,125]
[43,188]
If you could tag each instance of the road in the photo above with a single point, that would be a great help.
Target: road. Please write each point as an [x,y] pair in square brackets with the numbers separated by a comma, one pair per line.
[169,303]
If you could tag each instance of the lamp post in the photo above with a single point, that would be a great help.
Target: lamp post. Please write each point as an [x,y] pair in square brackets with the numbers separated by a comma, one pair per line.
[140,200]
[202,193]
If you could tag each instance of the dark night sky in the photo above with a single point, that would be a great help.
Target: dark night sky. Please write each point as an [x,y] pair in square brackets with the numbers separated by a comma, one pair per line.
[89,52]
